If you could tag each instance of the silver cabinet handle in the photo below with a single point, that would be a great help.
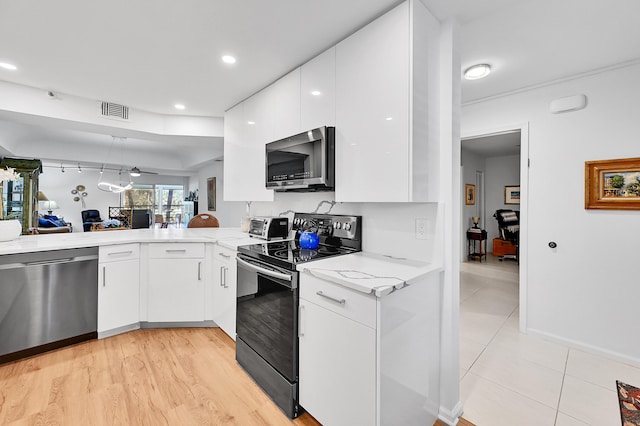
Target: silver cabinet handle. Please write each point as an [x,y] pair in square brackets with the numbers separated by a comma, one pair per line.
[120,253]
[226,275]
[176,251]
[340,301]
[226,256]
[199,268]
[222,276]
[104,276]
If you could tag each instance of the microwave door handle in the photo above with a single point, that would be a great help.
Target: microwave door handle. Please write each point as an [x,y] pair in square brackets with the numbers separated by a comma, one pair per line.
[274,274]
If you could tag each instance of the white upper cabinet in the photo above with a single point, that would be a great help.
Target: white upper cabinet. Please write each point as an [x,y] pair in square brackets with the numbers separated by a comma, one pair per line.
[285,103]
[386,77]
[247,127]
[318,91]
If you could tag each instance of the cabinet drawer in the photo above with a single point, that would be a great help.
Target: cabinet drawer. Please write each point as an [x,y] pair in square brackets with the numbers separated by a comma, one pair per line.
[223,254]
[176,250]
[341,300]
[119,252]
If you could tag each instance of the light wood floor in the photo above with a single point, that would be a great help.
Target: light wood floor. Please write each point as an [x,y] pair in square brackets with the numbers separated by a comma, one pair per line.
[145,377]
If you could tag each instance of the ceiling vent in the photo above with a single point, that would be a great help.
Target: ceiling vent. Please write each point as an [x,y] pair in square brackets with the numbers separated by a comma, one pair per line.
[114,111]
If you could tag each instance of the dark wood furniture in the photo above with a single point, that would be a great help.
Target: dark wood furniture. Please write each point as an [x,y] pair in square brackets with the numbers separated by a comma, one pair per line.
[476,244]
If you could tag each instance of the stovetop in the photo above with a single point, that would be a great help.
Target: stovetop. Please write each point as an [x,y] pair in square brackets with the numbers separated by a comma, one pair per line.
[338,235]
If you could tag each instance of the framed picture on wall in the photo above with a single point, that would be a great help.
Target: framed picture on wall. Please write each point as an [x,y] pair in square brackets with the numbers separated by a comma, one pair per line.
[211,194]
[512,194]
[470,194]
[612,184]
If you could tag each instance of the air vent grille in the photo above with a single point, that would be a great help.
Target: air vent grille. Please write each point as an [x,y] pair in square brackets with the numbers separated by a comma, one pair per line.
[111,110]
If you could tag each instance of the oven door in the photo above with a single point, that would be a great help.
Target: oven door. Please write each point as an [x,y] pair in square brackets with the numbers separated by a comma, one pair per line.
[267,313]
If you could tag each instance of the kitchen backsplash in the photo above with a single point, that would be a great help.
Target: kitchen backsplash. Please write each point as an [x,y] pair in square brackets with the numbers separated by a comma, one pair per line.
[387,228]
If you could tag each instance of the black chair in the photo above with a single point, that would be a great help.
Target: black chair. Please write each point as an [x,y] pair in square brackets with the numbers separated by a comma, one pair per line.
[509,229]
[89,217]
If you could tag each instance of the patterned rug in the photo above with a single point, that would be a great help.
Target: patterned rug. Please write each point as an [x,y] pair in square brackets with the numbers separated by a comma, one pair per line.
[629,397]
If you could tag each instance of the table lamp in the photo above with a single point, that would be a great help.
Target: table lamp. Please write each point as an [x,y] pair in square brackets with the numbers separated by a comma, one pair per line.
[46,204]
[475,220]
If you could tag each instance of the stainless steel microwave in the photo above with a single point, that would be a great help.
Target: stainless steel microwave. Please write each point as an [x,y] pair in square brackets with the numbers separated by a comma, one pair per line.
[304,162]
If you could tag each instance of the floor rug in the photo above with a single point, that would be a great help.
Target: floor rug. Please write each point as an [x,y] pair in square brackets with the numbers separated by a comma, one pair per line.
[629,397]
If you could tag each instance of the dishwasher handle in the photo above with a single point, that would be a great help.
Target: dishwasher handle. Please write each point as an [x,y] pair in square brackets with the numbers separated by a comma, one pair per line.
[48,262]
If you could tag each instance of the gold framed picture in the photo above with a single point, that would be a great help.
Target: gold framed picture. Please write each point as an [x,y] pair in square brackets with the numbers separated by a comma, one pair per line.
[612,184]
[512,194]
[470,194]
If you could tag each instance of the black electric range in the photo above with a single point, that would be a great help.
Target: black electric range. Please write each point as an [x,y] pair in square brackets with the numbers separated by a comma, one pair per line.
[267,301]
[338,235]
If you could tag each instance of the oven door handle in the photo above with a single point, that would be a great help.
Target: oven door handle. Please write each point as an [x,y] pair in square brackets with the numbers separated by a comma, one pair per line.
[274,274]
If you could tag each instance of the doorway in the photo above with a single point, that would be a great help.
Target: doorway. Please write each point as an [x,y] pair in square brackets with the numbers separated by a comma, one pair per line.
[496,163]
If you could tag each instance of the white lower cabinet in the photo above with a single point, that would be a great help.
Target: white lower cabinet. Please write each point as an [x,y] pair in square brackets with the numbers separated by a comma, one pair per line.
[118,287]
[224,289]
[370,361]
[337,367]
[176,282]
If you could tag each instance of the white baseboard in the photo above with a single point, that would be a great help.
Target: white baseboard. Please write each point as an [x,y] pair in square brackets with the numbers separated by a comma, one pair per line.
[451,417]
[585,347]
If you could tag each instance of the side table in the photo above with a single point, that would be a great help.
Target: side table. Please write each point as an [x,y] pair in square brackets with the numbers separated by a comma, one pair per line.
[476,244]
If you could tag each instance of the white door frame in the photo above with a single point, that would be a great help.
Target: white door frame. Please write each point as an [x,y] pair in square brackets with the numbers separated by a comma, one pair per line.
[524,206]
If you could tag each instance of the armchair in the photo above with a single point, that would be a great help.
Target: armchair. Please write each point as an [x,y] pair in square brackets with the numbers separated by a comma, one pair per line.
[509,230]
[89,217]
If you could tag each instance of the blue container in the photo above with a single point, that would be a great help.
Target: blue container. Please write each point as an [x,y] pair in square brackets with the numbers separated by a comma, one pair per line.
[309,240]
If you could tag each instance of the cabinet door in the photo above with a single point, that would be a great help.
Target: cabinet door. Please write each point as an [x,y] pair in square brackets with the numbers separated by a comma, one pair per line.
[337,367]
[247,127]
[317,91]
[224,293]
[372,111]
[118,294]
[176,290]
[286,105]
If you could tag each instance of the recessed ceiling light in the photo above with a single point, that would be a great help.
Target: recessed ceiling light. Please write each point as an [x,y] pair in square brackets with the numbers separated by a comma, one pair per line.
[477,71]
[316,93]
[227,59]
[179,106]
[7,66]
[251,122]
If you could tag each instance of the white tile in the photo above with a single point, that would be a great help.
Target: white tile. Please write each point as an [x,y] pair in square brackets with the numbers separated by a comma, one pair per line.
[532,380]
[590,403]
[479,327]
[564,420]
[600,370]
[535,349]
[492,301]
[513,322]
[469,352]
[489,404]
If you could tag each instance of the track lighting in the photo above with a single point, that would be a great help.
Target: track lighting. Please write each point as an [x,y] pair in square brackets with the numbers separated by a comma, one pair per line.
[79,169]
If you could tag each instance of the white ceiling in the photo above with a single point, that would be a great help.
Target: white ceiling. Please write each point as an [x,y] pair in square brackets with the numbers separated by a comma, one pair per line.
[151,54]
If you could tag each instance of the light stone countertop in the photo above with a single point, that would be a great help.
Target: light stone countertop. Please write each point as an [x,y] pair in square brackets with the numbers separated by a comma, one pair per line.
[45,242]
[368,272]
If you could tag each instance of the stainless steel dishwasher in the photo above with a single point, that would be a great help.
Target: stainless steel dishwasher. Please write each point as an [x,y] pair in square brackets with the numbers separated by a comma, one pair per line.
[47,300]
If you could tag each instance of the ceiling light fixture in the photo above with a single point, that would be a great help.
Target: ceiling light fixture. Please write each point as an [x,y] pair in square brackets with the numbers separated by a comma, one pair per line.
[135,172]
[251,122]
[79,169]
[316,93]
[179,106]
[477,72]
[7,66]
[228,59]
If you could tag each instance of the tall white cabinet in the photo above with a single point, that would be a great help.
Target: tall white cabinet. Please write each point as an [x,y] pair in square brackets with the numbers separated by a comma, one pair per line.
[386,121]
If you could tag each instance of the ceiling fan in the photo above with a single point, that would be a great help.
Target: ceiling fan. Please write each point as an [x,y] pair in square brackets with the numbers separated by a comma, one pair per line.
[135,172]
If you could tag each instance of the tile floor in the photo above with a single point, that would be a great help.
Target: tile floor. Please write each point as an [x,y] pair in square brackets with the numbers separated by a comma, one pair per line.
[509,378]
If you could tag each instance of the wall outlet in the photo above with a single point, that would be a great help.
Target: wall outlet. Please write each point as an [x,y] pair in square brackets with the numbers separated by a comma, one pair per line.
[422,226]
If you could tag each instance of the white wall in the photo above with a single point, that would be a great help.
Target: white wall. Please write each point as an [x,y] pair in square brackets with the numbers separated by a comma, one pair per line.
[584,292]
[471,163]
[229,213]
[500,172]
